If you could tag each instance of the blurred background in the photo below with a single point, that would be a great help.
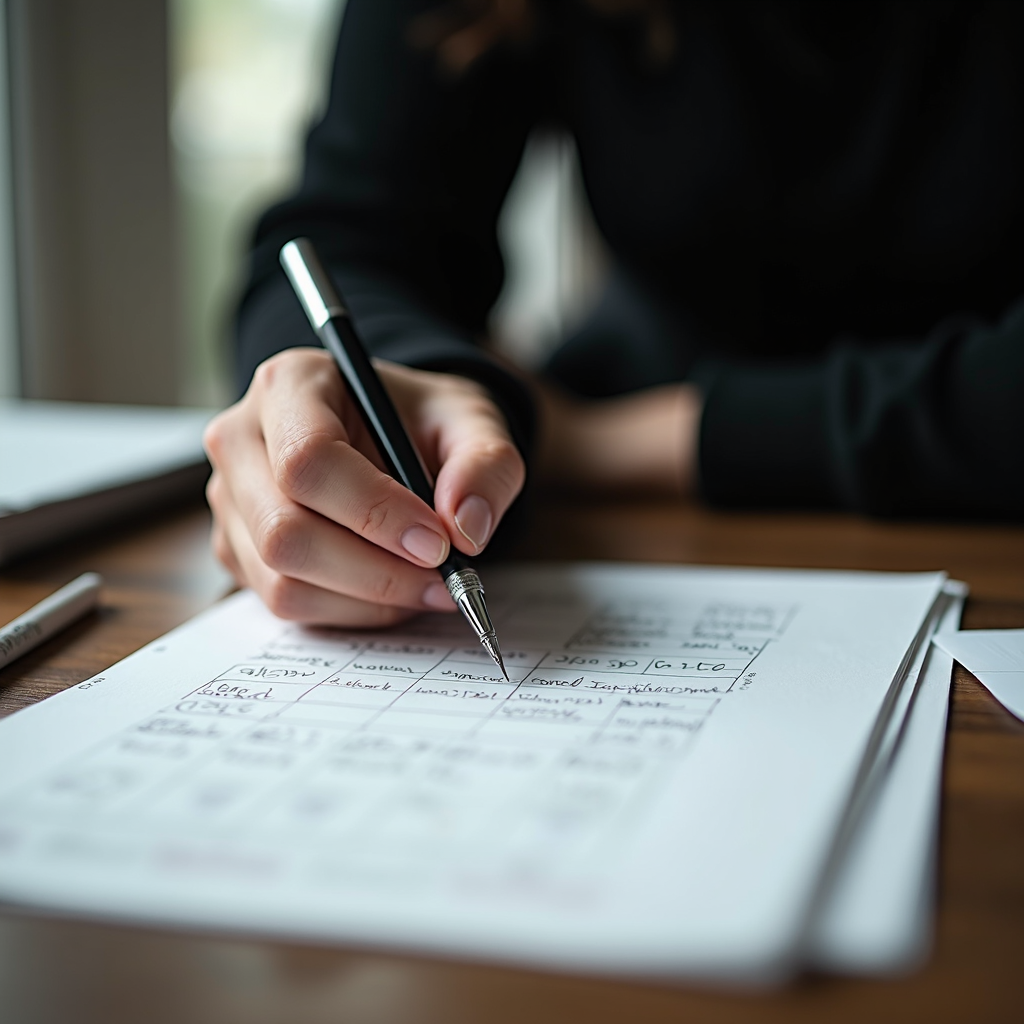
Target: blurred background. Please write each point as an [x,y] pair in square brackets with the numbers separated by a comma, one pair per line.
[247,78]
[140,141]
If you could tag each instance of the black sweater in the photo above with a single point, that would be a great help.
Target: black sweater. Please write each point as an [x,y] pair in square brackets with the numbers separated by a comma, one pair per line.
[815,212]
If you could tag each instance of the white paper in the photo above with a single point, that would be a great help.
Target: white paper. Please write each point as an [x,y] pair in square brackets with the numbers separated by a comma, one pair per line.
[655,793]
[995,657]
[877,914]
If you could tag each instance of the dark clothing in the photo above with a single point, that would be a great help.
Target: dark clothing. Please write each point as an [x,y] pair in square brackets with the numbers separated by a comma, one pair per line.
[816,212]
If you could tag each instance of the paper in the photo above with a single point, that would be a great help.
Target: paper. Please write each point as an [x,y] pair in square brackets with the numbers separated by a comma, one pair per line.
[877,915]
[995,657]
[657,792]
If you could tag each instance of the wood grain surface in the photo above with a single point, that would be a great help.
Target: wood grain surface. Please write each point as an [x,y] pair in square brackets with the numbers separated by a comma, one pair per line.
[159,574]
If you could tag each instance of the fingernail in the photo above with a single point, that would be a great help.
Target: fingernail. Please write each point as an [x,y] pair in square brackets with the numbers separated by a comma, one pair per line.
[474,520]
[437,596]
[424,544]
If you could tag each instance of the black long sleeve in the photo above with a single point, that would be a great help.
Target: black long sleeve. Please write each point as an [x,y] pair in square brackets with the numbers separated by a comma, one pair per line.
[928,427]
[815,212]
[403,180]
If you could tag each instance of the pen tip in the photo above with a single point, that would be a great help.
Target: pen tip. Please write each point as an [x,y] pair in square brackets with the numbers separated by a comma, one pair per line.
[490,642]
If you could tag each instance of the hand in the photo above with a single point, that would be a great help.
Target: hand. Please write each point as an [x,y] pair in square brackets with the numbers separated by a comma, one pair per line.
[641,442]
[305,515]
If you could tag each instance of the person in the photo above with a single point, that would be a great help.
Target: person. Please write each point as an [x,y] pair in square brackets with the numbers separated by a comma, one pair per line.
[814,214]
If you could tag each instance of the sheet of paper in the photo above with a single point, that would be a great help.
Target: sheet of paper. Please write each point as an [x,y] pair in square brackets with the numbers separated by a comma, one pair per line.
[877,915]
[655,793]
[996,657]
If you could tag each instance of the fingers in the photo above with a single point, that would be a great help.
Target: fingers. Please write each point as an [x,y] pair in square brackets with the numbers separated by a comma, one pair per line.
[296,599]
[273,539]
[305,517]
[481,471]
[313,462]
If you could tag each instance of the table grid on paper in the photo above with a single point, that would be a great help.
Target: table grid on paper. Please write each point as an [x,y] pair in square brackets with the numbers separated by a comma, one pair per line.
[400,739]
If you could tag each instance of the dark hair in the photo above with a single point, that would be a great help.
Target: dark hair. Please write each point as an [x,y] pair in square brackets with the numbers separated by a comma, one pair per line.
[461,31]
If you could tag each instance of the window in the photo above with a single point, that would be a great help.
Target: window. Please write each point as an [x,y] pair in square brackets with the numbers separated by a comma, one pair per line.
[248,76]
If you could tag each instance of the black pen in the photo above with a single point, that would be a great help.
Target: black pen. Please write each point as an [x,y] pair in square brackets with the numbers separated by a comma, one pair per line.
[333,325]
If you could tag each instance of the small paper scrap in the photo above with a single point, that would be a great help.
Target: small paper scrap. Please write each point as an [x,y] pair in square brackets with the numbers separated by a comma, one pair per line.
[996,657]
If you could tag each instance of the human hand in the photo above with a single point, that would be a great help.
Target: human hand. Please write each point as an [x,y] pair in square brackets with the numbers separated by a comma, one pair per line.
[305,515]
[644,442]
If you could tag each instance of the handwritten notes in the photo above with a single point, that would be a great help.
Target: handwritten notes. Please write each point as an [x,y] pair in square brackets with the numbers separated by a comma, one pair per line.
[655,791]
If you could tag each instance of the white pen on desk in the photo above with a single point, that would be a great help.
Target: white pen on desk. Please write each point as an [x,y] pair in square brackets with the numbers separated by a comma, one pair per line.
[50,616]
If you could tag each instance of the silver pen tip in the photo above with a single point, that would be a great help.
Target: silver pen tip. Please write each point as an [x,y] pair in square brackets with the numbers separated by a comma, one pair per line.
[468,593]
[490,642]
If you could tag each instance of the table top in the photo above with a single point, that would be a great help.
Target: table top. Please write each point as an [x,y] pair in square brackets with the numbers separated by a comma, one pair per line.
[161,572]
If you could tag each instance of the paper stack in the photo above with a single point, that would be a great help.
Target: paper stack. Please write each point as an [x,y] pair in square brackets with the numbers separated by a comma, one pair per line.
[694,773]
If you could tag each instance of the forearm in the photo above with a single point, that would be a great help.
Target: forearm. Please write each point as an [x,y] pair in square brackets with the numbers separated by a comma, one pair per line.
[402,183]
[928,427]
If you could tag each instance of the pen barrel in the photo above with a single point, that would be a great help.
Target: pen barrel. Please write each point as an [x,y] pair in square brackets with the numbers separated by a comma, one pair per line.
[51,615]
[452,564]
[329,317]
[401,459]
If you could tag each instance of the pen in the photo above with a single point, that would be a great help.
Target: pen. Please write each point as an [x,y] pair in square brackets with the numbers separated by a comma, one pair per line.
[333,325]
[50,616]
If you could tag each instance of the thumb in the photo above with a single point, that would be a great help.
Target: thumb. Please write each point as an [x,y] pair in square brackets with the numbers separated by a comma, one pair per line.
[481,472]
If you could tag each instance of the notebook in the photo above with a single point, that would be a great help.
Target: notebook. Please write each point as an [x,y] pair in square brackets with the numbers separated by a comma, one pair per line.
[68,467]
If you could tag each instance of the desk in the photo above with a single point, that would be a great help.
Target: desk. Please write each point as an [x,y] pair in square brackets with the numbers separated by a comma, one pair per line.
[160,574]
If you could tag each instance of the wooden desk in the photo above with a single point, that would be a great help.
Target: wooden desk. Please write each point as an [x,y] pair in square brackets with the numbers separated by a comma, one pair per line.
[159,575]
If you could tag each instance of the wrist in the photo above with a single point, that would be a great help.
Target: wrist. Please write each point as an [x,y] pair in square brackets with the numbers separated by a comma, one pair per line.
[643,442]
